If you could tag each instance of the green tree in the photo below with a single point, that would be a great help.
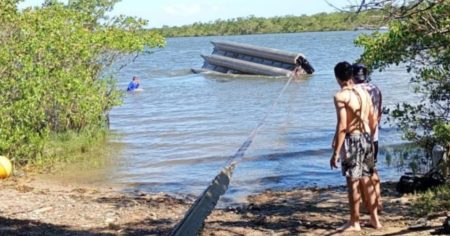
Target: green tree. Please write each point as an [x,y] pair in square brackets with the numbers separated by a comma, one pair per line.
[418,36]
[52,68]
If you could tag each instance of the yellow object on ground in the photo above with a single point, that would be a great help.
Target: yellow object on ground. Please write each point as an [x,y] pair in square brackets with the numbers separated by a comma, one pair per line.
[5,167]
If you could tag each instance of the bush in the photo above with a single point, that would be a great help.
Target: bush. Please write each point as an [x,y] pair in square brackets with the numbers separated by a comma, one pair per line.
[434,200]
[52,63]
[418,37]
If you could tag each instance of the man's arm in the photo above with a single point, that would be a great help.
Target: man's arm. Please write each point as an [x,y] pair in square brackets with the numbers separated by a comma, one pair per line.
[341,128]
[373,118]
[380,107]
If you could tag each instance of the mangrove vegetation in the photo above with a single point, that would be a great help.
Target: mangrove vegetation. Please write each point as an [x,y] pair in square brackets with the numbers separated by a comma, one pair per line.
[418,37]
[283,24]
[53,84]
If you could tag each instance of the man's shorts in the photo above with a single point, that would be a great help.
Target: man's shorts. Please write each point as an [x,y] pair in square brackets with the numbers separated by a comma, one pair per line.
[358,160]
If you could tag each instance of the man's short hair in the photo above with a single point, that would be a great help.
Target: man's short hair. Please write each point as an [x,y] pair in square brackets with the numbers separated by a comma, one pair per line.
[343,71]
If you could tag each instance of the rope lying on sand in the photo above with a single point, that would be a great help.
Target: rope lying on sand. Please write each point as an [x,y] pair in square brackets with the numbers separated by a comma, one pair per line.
[205,204]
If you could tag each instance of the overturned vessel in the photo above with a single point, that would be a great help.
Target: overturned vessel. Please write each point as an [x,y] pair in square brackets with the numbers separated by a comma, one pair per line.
[239,58]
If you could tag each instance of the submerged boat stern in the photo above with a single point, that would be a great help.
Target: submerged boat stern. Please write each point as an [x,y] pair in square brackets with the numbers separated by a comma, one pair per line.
[239,58]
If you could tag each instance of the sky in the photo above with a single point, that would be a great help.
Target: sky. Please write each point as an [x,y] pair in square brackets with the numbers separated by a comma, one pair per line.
[183,12]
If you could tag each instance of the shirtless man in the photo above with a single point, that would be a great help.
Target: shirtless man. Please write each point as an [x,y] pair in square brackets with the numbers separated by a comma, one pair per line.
[356,123]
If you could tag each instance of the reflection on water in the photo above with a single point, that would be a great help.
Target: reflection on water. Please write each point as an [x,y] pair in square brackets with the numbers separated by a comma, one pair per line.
[179,132]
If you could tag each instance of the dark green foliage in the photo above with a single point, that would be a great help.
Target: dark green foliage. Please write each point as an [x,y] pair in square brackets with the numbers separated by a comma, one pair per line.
[51,64]
[418,38]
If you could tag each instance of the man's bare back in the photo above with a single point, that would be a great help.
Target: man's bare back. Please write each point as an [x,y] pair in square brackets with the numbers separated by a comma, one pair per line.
[358,119]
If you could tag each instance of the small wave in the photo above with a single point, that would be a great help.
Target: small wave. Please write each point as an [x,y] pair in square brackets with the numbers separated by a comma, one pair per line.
[284,155]
[209,159]
[168,73]
[215,75]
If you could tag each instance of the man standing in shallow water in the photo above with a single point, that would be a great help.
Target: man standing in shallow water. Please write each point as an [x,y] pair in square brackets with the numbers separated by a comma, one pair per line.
[134,84]
[356,123]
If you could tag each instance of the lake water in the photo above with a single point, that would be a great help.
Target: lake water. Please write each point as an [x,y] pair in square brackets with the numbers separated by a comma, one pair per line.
[178,133]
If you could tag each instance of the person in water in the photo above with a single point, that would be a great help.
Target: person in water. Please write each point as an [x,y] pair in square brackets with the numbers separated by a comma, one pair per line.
[134,84]
[356,123]
[360,78]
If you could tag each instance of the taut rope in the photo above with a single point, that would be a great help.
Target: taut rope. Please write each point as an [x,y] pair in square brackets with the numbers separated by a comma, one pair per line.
[203,206]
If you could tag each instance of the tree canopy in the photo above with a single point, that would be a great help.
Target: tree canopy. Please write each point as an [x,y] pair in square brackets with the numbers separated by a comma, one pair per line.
[418,37]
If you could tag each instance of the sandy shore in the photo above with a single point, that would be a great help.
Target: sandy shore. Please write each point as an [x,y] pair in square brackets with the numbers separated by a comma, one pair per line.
[33,206]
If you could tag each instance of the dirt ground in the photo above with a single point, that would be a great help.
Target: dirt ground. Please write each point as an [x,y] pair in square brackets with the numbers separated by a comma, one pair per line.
[34,206]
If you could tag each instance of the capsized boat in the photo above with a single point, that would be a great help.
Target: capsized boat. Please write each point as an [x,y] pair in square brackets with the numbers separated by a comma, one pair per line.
[239,58]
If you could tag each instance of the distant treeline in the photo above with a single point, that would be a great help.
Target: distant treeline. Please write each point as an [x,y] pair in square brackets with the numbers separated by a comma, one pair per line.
[285,24]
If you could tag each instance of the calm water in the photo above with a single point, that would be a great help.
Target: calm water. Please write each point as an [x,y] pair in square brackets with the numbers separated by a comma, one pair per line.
[177,134]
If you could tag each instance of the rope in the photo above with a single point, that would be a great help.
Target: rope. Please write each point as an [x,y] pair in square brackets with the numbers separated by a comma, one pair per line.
[205,204]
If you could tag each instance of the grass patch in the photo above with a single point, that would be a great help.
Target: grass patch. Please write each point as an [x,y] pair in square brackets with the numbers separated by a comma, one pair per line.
[71,147]
[434,200]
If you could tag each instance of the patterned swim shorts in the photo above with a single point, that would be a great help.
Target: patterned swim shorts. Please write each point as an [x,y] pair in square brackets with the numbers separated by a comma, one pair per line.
[358,159]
